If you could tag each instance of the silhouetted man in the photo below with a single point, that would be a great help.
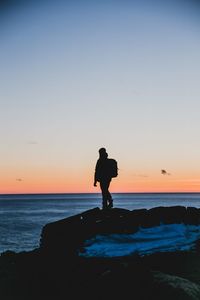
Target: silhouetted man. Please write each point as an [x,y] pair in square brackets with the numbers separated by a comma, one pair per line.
[103,176]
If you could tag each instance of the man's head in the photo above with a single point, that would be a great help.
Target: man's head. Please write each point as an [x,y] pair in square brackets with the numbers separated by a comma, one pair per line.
[103,153]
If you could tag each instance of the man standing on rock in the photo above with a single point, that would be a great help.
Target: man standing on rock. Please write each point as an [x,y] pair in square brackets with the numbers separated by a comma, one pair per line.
[104,171]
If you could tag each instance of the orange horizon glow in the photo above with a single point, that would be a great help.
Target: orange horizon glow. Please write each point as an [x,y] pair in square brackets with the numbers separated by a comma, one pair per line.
[59,181]
[87,187]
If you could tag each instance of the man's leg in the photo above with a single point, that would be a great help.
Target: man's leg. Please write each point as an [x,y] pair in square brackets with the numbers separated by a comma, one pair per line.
[104,194]
[107,198]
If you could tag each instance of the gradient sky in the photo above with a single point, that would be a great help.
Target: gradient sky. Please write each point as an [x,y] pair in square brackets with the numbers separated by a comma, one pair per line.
[79,75]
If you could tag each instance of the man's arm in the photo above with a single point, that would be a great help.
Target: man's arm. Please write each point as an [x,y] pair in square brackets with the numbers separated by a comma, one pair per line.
[96,173]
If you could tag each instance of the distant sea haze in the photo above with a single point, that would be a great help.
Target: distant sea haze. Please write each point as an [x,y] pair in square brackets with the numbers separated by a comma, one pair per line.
[23,216]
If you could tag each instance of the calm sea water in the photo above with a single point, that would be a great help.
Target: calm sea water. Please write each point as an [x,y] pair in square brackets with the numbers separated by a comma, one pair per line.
[23,216]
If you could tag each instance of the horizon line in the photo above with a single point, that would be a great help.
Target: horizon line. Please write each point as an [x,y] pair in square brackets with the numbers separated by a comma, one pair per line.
[85,193]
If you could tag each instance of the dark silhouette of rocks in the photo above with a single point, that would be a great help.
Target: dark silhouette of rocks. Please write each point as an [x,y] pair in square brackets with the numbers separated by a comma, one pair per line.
[55,271]
[68,235]
[166,286]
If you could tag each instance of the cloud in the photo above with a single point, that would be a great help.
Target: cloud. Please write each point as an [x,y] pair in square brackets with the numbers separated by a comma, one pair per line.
[32,143]
[141,175]
[19,179]
[164,172]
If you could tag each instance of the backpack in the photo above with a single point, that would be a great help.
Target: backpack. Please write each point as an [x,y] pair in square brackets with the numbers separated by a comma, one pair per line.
[112,167]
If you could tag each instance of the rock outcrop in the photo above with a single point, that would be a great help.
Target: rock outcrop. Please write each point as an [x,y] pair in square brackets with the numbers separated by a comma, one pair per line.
[166,286]
[54,271]
[67,235]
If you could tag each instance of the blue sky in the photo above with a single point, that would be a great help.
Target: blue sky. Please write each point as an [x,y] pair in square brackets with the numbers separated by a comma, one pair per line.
[78,75]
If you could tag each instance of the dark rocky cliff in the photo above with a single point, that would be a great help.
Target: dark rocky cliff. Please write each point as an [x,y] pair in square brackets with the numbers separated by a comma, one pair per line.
[67,235]
[56,272]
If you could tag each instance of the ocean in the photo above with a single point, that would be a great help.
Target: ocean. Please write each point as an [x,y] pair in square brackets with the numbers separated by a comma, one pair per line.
[23,216]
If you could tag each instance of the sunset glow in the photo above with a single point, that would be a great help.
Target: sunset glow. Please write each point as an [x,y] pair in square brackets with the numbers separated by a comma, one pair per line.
[76,76]
[57,182]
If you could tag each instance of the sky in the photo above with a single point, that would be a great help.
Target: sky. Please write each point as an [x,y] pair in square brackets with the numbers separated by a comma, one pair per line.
[76,76]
